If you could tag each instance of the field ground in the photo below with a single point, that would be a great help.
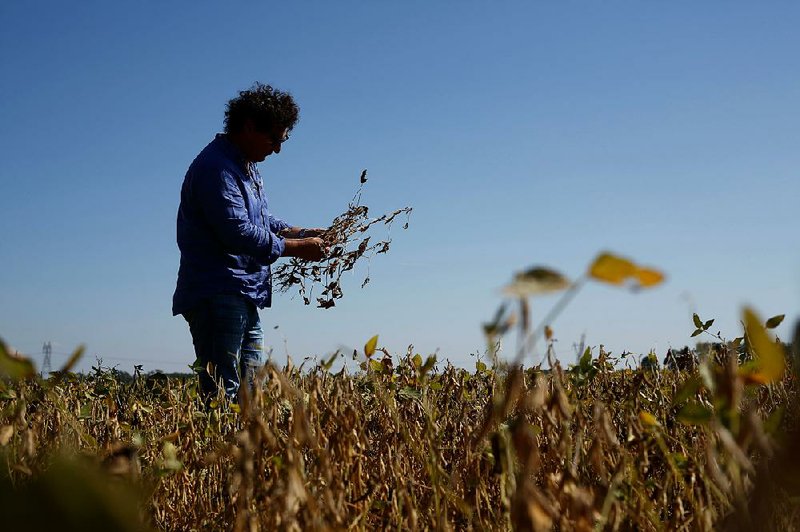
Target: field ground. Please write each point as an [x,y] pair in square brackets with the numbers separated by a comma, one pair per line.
[406,444]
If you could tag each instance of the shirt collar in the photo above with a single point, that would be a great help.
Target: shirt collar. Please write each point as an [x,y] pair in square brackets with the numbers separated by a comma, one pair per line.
[232,150]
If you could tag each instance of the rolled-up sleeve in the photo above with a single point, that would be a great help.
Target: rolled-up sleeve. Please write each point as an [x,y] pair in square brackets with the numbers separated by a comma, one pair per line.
[221,201]
[276,225]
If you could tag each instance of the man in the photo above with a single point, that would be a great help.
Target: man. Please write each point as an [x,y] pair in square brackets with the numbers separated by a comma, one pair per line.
[228,239]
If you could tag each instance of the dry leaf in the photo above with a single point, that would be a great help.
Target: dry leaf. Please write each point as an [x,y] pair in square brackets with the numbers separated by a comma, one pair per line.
[369,347]
[612,269]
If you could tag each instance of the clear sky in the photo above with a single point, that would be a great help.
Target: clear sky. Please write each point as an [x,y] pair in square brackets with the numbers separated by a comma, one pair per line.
[521,133]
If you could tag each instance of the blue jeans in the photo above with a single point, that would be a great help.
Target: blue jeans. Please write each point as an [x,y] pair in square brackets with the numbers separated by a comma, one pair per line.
[226,331]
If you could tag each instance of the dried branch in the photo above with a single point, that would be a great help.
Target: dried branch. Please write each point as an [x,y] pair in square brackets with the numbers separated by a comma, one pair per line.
[349,242]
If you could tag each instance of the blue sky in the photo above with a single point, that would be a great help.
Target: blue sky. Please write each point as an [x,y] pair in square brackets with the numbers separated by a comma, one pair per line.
[521,133]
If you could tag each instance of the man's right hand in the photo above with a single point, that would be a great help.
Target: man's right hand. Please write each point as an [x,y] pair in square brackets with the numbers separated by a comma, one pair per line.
[305,248]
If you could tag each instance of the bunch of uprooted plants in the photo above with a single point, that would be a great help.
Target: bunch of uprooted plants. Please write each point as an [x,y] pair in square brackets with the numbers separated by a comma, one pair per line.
[405,442]
[350,240]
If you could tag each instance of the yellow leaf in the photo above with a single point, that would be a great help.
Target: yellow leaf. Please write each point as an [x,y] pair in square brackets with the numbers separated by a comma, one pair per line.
[648,419]
[769,356]
[611,269]
[750,377]
[548,332]
[369,347]
[648,277]
[5,434]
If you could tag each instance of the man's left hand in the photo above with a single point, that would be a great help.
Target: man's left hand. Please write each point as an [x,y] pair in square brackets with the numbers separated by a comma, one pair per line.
[314,232]
[299,232]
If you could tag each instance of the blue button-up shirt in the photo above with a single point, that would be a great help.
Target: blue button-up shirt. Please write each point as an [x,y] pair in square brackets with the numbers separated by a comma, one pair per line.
[226,235]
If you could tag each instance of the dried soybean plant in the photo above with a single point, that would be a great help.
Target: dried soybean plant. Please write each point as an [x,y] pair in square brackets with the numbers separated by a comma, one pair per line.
[349,241]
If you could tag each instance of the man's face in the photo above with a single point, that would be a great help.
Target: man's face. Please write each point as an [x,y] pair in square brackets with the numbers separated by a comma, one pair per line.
[261,144]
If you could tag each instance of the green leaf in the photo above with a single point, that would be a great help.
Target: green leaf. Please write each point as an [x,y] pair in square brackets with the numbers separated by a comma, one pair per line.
[535,281]
[8,394]
[430,362]
[328,363]
[499,314]
[707,324]
[407,392]
[15,366]
[480,366]
[170,462]
[708,377]
[679,460]
[774,321]
[686,391]
[737,341]
[694,414]
[197,366]
[773,422]
[73,359]
[586,359]
[375,365]
[697,321]
[698,331]
[436,385]
[417,360]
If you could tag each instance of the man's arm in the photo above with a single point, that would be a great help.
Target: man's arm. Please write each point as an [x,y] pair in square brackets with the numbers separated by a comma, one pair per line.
[277,226]
[299,242]
[224,208]
[300,232]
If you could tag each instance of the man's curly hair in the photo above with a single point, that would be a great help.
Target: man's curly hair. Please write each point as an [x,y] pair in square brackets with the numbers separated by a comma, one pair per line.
[268,108]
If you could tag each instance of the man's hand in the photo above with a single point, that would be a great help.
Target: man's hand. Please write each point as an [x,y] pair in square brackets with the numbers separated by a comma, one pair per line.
[316,231]
[299,232]
[305,248]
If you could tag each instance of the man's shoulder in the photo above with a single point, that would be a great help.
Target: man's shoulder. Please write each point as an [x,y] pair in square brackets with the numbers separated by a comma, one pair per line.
[213,161]
[211,155]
